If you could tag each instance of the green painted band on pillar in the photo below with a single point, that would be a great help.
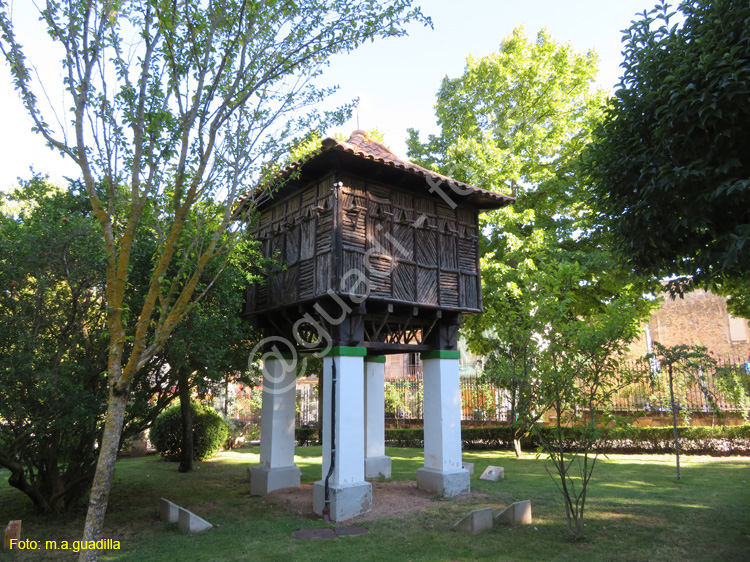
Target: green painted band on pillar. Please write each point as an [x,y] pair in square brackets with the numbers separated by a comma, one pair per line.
[344,351]
[442,354]
[375,359]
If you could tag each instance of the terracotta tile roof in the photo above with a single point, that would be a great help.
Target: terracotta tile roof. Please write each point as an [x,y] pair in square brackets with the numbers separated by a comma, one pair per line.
[362,146]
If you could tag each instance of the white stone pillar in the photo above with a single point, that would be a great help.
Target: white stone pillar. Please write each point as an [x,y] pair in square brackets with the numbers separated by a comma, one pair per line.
[377,464]
[349,494]
[277,469]
[442,473]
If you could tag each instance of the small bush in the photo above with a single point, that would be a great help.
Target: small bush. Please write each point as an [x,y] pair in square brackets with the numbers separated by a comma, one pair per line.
[210,432]
[306,436]
[240,433]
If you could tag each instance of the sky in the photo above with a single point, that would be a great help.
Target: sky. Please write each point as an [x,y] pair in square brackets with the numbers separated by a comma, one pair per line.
[396,79]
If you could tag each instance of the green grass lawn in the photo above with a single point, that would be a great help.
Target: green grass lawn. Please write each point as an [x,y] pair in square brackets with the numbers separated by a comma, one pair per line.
[636,511]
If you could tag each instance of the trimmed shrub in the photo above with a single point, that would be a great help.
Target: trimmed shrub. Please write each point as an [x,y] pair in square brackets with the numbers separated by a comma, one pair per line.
[210,432]
[696,440]
[306,436]
[404,437]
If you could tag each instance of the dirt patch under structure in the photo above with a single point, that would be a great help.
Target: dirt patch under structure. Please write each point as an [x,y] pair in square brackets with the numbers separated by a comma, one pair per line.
[388,498]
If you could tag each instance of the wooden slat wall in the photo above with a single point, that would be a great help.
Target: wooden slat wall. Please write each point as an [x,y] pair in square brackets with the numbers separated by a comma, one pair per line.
[299,231]
[412,248]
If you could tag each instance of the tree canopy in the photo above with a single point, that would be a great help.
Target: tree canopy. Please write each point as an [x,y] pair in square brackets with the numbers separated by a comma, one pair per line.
[516,121]
[54,344]
[669,169]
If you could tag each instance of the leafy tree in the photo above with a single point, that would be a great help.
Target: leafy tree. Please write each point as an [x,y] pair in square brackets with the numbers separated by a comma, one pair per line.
[52,344]
[173,103]
[732,382]
[685,366]
[516,121]
[669,167]
[208,349]
[583,368]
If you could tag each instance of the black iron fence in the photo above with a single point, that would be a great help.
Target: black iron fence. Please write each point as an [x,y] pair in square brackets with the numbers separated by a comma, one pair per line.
[722,386]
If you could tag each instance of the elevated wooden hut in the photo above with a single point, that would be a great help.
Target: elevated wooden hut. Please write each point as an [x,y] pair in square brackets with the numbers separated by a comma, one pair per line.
[397,243]
[376,255]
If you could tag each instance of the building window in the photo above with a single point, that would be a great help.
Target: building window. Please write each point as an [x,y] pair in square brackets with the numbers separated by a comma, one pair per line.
[737,329]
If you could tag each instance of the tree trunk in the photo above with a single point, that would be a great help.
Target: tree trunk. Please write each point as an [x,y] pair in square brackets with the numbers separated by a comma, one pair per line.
[226,397]
[186,458]
[517,446]
[17,479]
[105,468]
[512,422]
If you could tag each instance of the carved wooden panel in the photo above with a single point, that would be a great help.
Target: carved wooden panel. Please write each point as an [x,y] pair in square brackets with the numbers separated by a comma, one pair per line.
[276,288]
[353,209]
[379,217]
[322,273]
[467,253]
[308,197]
[427,289]
[427,242]
[448,289]
[469,291]
[291,283]
[292,207]
[292,241]
[380,275]
[467,216]
[376,190]
[448,257]
[402,243]
[307,234]
[404,281]
[324,231]
[423,206]
[353,270]
[277,244]
[306,278]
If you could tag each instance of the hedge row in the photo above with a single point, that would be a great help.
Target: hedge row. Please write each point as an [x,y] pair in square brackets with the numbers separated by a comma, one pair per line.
[720,441]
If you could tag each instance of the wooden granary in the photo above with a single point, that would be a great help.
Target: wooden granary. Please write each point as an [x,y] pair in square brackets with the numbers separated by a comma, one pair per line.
[394,242]
[375,256]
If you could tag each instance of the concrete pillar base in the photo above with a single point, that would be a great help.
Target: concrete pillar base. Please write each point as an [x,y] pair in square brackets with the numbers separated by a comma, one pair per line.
[264,480]
[347,500]
[444,483]
[378,467]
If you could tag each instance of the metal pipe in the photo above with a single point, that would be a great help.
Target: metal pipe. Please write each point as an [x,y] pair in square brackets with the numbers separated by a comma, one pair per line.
[332,463]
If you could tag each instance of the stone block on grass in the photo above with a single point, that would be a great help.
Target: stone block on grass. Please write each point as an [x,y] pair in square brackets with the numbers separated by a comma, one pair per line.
[12,531]
[475,522]
[517,513]
[468,466]
[190,522]
[168,511]
[493,473]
